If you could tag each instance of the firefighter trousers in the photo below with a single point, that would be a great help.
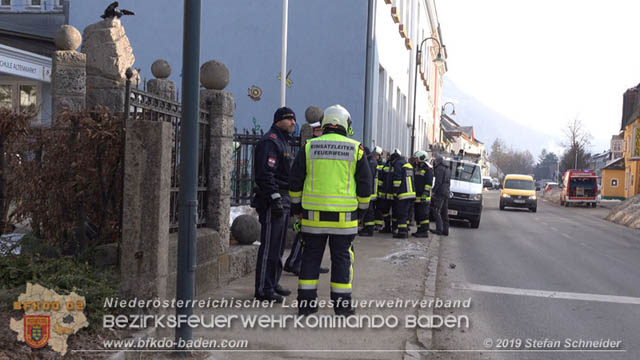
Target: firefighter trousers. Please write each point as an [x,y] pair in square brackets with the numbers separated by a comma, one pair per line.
[421,210]
[342,259]
[401,214]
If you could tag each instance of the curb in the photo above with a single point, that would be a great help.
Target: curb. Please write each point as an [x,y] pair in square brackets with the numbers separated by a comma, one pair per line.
[425,336]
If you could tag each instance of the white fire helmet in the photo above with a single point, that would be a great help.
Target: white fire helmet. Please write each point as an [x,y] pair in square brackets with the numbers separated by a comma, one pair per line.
[337,115]
[377,150]
[396,151]
[421,155]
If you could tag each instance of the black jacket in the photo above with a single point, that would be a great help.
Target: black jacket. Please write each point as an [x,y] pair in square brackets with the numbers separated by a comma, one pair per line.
[423,177]
[442,181]
[271,166]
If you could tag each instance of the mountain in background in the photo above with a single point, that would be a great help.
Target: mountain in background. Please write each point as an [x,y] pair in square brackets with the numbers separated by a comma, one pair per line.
[488,124]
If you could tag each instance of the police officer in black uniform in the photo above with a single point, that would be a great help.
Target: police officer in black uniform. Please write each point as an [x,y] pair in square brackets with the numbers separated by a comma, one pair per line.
[271,167]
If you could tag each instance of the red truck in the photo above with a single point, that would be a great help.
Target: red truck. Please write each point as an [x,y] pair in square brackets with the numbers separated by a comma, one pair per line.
[579,187]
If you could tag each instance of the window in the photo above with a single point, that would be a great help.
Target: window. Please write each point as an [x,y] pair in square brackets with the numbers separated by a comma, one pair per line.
[6,98]
[614,182]
[23,96]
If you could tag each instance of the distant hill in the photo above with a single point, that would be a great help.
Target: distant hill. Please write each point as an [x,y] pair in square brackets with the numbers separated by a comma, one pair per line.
[488,124]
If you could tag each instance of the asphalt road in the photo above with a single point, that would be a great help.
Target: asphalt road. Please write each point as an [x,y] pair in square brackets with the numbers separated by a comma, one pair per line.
[558,274]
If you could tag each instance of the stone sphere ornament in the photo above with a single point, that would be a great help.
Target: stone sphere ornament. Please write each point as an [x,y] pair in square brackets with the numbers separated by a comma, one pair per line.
[214,75]
[313,114]
[245,229]
[161,69]
[67,37]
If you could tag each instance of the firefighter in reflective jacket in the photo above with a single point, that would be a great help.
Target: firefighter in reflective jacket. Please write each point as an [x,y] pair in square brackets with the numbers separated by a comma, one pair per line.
[330,187]
[385,196]
[370,216]
[380,197]
[422,204]
[404,193]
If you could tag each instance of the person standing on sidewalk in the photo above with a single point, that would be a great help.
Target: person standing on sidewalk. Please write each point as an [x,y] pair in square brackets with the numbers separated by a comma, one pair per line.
[422,204]
[292,264]
[370,215]
[404,193]
[441,194]
[330,187]
[271,167]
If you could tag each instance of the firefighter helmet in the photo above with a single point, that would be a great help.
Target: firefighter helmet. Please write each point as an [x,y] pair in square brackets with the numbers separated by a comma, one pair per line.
[377,150]
[337,115]
[421,155]
[396,151]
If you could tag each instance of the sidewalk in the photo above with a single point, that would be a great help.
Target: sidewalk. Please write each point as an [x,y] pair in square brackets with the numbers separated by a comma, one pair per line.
[385,269]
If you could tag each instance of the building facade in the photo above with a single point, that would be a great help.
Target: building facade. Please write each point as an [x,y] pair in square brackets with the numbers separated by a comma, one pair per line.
[26,45]
[613,180]
[631,128]
[358,53]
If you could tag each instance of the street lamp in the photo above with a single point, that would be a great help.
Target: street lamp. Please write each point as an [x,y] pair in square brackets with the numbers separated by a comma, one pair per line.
[437,60]
[453,112]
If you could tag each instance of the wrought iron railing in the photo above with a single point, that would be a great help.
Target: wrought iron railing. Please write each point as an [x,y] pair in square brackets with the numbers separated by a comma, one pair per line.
[146,106]
[242,176]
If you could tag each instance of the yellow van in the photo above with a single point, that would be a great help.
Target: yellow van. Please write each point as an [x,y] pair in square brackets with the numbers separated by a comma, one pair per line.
[518,191]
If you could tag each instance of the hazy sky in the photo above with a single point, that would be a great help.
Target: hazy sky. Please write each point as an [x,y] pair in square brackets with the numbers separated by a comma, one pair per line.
[544,62]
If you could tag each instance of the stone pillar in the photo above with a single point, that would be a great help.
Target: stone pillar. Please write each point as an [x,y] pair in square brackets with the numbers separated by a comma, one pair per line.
[161,86]
[214,76]
[109,55]
[69,73]
[145,223]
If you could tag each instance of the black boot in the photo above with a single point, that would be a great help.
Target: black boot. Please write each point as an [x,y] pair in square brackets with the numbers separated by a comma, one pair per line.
[366,231]
[402,234]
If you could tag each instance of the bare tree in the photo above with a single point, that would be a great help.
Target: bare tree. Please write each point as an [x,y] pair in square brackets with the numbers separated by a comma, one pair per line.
[577,139]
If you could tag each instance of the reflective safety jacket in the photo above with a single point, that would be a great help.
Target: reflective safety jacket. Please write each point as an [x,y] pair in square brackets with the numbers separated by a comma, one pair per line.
[330,180]
[380,194]
[424,181]
[385,181]
[403,185]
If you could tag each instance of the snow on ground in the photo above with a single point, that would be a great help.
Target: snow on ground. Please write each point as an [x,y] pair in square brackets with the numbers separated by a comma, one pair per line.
[627,213]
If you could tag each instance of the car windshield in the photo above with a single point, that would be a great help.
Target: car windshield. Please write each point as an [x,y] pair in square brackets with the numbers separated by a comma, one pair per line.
[519,184]
[464,171]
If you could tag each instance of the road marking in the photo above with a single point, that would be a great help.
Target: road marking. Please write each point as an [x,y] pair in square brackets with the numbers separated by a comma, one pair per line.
[548,294]
[567,236]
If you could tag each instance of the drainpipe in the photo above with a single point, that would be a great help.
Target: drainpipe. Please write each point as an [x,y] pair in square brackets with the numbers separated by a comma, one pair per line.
[367,126]
[187,196]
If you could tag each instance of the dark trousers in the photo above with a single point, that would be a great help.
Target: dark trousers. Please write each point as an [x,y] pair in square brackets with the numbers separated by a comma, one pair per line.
[383,206]
[273,232]
[342,258]
[295,256]
[401,214]
[370,217]
[378,215]
[421,210]
[441,214]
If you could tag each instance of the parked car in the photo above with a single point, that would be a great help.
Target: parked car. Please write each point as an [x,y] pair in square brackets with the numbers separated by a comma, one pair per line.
[496,183]
[518,191]
[466,191]
[550,185]
[486,182]
[579,187]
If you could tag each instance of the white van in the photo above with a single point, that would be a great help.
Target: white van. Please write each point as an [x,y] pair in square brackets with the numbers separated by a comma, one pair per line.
[465,201]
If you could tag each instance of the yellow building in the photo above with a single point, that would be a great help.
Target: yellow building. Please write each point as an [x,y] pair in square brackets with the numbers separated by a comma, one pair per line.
[613,180]
[631,127]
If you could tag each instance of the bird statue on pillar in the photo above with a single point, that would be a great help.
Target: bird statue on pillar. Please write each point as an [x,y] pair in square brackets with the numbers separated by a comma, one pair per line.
[112,10]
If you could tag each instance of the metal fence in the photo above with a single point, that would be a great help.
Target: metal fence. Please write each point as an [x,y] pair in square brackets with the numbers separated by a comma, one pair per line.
[242,176]
[146,106]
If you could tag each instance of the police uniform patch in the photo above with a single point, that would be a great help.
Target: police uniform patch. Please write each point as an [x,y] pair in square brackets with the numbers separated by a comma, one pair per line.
[273,136]
[271,161]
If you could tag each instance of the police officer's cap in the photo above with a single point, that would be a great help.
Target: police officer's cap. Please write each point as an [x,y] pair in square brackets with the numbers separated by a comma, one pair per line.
[283,113]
